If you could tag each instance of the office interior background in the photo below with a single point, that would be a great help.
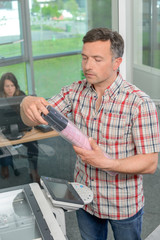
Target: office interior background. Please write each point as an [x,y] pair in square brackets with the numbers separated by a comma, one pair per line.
[41,41]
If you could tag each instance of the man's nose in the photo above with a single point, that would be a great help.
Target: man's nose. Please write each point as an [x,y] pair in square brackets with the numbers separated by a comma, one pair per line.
[89,64]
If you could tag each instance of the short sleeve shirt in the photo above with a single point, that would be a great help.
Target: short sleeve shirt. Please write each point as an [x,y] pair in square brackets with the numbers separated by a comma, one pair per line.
[125,124]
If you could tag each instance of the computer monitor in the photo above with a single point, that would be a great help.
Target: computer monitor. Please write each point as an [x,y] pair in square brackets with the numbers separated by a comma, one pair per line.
[11,124]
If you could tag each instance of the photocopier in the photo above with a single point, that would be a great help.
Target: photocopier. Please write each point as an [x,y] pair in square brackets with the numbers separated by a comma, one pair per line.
[34,212]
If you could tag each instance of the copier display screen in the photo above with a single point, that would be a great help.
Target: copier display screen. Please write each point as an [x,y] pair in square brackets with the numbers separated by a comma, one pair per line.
[61,191]
[17,220]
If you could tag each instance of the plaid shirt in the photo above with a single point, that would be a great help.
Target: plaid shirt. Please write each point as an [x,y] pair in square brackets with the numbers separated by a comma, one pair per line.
[126,124]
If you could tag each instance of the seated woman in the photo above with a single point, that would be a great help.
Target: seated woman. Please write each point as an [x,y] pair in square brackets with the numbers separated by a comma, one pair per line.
[8,88]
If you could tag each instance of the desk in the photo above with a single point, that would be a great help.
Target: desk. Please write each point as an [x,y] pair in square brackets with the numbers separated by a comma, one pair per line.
[29,136]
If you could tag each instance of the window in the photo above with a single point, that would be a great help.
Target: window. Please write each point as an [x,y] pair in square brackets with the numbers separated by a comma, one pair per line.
[13,44]
[57,29]
[147,33]
[57,26]
[34,33]
[151,33]
[9,29]
[56,72]
[146,68]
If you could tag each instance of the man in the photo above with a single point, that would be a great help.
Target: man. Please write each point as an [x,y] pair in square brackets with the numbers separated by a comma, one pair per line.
[120,120]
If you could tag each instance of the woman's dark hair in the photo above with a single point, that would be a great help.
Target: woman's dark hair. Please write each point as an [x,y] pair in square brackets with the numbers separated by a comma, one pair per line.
[105,34]
[9,76]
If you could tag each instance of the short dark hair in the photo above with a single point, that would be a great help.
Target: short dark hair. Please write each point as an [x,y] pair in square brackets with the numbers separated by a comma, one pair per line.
[105,34]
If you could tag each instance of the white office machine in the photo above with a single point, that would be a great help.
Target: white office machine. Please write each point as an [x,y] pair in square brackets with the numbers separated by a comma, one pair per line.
[30,213]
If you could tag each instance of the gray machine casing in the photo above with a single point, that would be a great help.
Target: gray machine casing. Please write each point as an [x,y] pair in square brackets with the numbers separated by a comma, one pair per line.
[25,214]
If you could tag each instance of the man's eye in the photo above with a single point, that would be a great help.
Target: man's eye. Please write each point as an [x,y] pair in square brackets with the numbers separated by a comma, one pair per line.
[98,59]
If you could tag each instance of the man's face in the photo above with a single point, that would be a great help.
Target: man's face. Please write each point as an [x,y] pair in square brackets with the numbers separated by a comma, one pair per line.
[99,66]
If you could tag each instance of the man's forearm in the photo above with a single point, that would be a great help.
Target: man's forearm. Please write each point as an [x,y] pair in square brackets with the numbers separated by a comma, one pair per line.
[138,164]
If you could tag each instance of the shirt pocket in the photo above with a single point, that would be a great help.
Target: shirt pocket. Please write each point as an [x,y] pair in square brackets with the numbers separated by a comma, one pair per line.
[116,131]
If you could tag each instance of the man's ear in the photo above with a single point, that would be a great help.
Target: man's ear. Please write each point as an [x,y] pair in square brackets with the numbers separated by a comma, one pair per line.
[117,63]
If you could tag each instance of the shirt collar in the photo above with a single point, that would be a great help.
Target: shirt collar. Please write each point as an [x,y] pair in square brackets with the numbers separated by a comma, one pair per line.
[113,89]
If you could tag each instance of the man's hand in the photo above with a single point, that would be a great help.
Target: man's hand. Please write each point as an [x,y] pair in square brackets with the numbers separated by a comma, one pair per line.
[31,109]
[94,157]
[137,164]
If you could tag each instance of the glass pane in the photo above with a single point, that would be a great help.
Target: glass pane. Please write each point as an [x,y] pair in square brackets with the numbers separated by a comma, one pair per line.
[58,26]
[146,69]
[17,220]
[151,33]
[54,23]
[10,42]
[55,73]
[19,70]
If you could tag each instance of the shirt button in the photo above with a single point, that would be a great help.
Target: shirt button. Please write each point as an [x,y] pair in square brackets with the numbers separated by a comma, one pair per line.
[95,118]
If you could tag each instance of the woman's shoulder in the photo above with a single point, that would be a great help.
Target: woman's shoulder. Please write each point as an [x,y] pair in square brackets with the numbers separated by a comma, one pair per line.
[21,93]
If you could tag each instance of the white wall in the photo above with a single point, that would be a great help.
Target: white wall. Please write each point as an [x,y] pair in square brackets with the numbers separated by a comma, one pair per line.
[147,80]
